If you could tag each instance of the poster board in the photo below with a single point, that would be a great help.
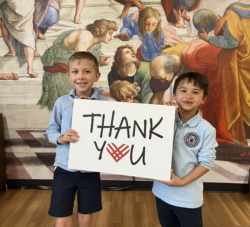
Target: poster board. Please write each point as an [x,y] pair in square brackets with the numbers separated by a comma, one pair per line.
[123,138]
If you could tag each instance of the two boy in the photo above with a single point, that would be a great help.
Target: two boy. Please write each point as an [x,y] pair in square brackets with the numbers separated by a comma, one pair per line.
[179,200]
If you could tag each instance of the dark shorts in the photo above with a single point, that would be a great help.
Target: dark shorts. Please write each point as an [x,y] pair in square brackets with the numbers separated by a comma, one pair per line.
[172,216]
[65,186]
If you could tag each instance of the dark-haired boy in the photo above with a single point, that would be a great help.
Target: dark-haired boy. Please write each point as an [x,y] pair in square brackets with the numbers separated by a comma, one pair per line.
[179,201]
[83,72]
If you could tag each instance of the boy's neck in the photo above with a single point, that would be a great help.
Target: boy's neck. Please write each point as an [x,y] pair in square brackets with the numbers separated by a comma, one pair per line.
[88,94]
[186,116]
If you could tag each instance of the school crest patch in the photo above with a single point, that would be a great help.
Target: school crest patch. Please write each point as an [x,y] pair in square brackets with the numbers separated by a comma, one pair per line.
[191,139]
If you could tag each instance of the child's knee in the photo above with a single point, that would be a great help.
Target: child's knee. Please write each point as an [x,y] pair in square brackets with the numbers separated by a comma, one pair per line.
[84,220]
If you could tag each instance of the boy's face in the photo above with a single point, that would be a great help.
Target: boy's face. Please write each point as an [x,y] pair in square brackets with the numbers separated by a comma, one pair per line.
[188,97]
[82,76]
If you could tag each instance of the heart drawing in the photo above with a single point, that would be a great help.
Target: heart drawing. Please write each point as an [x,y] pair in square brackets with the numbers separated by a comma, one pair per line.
[117,153]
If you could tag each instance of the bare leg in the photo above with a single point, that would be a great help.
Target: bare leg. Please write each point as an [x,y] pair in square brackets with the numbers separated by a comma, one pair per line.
[40,34]
[29,52]
[6,37]
[65,222]
[79,7]
[180,21]
[84,220]
[9,76]
[139,5]
[125,10]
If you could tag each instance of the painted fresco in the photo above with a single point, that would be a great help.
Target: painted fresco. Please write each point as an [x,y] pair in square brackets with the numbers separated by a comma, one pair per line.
[141,47]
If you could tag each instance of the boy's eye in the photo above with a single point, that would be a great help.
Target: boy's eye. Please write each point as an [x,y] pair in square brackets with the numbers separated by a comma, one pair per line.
[87,71]
[74,71]
[183,90]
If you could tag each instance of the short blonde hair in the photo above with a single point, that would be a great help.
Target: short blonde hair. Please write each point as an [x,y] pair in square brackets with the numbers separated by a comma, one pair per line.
[84,55]
[122,89]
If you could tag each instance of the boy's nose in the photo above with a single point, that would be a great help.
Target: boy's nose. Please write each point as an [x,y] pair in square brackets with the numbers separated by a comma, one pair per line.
[189,94]
[80,75]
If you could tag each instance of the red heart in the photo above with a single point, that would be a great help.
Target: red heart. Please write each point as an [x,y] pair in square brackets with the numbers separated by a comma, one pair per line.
[117,153]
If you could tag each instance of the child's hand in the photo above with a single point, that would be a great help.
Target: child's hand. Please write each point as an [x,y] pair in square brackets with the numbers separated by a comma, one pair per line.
[81,97]
[70,136]
[171,103]
[174,181]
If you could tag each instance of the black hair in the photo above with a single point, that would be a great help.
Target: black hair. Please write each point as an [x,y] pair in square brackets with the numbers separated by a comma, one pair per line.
[196,78]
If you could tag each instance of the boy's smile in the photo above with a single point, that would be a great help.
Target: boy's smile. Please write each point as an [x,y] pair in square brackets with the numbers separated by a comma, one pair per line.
[188,97]
[82,76]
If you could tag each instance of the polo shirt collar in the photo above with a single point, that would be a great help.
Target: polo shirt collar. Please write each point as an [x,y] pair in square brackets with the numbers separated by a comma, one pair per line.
[192,122]
[93,96]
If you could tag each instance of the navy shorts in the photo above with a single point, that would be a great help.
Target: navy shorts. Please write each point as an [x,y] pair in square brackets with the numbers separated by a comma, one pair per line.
[65,186]
[172,216]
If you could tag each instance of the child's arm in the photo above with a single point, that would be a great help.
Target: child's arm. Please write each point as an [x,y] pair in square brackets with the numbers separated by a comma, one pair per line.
[175,181]
[54,128]
[206,157]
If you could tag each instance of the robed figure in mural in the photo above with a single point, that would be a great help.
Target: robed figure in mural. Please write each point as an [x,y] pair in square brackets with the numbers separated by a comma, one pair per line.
[55,59]
[18,33]
[233,36]
[153,33]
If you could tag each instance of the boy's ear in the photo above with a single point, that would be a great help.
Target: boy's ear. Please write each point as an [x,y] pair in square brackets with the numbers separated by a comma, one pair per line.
[68,75]
[98,75]
[174,97]
[204,100]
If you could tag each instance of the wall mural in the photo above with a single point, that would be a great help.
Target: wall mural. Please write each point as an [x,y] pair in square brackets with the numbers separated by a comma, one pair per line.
[146,44]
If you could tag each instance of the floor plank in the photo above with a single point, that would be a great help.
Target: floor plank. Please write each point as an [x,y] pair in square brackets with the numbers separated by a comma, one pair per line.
[29,208]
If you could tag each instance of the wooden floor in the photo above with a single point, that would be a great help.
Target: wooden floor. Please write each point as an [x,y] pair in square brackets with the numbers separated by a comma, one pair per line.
[28,208]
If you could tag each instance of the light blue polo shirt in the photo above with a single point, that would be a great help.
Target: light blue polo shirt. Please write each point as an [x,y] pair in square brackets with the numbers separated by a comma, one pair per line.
[194,144]
[60,122]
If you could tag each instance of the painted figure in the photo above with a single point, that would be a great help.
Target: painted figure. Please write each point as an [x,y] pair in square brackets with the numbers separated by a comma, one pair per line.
[55,58]
[18,33]
[46,15]
[127,4]
[123,91]
[127,67]
[153,33]
[233,36]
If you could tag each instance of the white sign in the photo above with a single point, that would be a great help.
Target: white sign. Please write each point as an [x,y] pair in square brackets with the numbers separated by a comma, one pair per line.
[123,138]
